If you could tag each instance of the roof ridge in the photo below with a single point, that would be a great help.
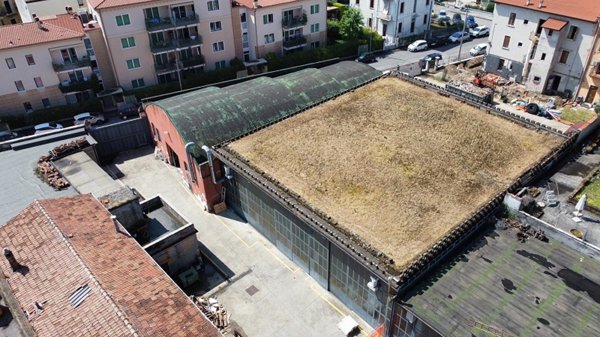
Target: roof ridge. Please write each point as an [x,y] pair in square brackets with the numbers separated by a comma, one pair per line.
[103,292]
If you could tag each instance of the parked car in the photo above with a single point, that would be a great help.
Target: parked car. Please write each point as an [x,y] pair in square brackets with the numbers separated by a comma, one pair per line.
[471,22]
[7,135]
[432,56]
[84,117]
[46,127]
[457,19]
[127,110]
[443,16]
[480,31]
[366,58]
[479,49]
[418,45]
[437,41]
[459,36]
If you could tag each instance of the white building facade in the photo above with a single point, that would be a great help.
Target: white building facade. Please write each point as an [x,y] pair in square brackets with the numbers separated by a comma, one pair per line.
[539,46]
[396,19]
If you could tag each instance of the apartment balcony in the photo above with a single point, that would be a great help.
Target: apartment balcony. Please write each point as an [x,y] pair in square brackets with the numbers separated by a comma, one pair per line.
[165,46]
[70,65]
[195,61]
[296,21]
[294,43]
[157,24]
[162,46]
[385,16]
[195,40]
[165,68]
[68,86]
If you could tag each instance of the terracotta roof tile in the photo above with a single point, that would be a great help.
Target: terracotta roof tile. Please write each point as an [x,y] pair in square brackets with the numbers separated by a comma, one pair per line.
[60,27]
[69,242]
[587,10]
[554,24]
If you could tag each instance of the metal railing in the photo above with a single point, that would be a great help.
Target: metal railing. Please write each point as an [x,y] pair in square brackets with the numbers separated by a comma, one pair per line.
[156,24]
[294,22]
[77,86]
[71,65]
[294,43]
[167,67]
[163,46]
[196,60]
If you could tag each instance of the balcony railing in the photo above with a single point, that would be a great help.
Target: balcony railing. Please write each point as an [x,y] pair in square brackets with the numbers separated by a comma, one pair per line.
[71,65]
[164,68]
[294,43]
[79,86]
[156,24]
[163,46]
[385,16]
[187,42]
[196,60]
[295,21]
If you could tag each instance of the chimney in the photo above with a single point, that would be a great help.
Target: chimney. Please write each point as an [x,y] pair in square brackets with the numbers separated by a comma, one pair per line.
[38,23]
[68,9]
[541,4]
[33,16]
[527,2]
[11,259]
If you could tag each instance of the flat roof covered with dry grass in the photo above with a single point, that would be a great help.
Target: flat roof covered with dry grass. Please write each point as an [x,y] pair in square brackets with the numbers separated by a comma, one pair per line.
[395,164]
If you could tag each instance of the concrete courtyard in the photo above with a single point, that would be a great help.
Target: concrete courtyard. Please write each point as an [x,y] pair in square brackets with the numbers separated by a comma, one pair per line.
[266,294]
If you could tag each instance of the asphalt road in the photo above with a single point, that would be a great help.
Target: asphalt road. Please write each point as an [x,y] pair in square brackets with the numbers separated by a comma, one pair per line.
[449,52]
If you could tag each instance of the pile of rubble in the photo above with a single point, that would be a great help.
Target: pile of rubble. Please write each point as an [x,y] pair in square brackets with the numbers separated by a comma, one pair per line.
[470,87]
[48,172]
[214,311]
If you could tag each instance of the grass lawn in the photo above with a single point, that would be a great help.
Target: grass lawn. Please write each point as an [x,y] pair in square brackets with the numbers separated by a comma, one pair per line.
[592,190]
[576,115]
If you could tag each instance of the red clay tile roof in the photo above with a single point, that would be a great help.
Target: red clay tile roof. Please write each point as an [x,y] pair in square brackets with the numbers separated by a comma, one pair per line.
[70,242]
[61,27]
[587,10]
[263,3]
[554,24]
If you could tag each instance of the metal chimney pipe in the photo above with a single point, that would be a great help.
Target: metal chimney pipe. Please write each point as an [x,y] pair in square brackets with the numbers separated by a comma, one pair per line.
[8,254]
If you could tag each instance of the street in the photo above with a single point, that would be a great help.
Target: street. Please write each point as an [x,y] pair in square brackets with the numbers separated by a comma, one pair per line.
[397,57]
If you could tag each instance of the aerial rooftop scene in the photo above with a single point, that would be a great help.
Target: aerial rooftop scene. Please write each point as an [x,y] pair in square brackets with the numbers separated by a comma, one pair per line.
[300,168]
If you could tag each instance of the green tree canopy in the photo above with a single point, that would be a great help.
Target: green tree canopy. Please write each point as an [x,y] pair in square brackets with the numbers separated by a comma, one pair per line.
[351,24]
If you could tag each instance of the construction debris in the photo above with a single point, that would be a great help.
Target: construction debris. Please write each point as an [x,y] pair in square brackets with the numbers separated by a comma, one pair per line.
[214,311]
[525,232]
[48,172]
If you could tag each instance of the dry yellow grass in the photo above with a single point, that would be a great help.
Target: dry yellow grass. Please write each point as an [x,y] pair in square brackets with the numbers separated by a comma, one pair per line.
[395,164]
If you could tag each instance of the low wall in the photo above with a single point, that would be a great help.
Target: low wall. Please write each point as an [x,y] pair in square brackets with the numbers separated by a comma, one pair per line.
[560,235]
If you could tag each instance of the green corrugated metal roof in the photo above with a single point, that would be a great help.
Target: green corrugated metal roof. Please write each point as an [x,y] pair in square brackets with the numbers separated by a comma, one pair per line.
[212,115]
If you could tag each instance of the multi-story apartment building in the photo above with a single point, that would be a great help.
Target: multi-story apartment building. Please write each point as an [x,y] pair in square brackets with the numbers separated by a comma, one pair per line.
[278,26]
[591,76]
[395,19]
[43,8]
[9,14]
[44,64]
[152,41]
[543,44]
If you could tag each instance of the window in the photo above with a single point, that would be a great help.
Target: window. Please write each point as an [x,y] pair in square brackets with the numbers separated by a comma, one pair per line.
[500,64]
[30,60]
[10,63]
[122,20]
[426,2]
[370,23]
[401,7]
[46,103]
[536,79]
[213,5]
[315,44]
[133,63]
[137,83]
[268,18]
[19,85]
[220,64]
[371,4]
[314,9]
[511,19]
[520,44]
[151,13]
[425,19]
[218,46]
[128,42]
[525,22]
[358,2]
[384,29]
[28,107]
[550,32]
[314,28]
[543,56]
[415,7]
[38,82]
[564,56]
[215,26]
[506,41]
[400,28]
[572,33]
[269,38]
[412,25]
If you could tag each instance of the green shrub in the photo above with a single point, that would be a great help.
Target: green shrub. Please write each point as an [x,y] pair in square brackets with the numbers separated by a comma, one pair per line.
[333,31]
[490,7]
[597,108]
[52,114]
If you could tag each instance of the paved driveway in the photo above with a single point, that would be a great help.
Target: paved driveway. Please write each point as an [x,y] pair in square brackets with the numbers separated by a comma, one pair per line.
[288,302]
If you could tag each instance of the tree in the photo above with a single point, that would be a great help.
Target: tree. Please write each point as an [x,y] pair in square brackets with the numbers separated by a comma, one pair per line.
[351,24]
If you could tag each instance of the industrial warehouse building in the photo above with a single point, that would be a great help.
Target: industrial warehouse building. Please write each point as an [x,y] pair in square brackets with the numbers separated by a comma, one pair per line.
[352,174]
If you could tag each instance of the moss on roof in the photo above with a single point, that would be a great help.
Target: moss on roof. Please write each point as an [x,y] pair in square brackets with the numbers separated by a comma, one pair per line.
[212,115]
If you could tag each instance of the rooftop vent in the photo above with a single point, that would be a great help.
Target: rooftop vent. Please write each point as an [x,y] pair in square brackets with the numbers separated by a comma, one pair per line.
[541,4]
[79,295]
[11,259]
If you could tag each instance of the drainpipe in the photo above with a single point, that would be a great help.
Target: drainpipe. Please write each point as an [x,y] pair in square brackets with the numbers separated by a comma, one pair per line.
[208,152]
[191,166]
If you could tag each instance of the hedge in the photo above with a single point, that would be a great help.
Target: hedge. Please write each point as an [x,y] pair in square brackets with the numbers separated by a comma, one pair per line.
[52,114]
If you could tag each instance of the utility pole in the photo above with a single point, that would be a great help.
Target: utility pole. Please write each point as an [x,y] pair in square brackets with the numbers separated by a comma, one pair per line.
[463,33]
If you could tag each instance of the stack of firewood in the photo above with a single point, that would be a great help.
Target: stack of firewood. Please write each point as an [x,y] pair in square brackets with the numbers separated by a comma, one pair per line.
[50,174]
[214,311]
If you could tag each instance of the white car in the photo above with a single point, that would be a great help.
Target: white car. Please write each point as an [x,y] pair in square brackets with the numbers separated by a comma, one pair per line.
[480,31]
[479,49]
[46,127]
[86,116]
[417,45]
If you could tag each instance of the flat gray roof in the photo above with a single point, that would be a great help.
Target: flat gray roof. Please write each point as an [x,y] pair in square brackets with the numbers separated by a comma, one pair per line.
[20,185]
[530,288]
[85,175]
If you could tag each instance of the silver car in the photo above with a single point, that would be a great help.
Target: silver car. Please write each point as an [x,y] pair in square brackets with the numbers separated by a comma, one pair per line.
[84,117]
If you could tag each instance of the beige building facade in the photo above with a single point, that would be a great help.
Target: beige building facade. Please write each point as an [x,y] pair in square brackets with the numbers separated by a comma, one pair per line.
[50,68]
[279,27]
[591,77]
[151,42]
